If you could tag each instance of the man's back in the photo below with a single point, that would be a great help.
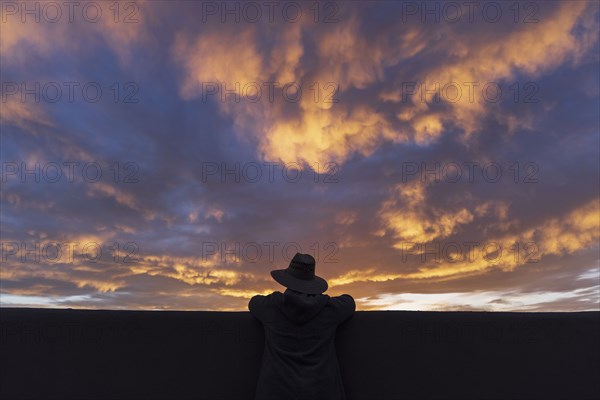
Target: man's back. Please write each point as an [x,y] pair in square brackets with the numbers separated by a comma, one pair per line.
[299,361]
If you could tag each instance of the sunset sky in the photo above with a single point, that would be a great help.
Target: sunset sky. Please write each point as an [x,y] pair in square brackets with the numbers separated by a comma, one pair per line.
[430,156]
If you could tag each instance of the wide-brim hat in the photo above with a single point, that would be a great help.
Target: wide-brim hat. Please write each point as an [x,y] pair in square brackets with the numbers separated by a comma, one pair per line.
[300,275]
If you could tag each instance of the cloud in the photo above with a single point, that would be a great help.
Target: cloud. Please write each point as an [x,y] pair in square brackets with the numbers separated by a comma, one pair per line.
[76,28]
[409,216]
[367,68]
[22,115]
[577,300]
[455,259]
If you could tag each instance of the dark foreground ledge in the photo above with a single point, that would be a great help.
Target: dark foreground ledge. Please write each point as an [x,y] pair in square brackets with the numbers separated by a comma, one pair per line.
[384,355]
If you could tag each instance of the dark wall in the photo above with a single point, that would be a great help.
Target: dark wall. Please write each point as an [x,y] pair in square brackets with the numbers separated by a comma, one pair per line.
[77,354]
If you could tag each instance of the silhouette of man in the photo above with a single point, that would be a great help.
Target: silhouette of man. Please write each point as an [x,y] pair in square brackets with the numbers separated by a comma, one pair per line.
[299,361]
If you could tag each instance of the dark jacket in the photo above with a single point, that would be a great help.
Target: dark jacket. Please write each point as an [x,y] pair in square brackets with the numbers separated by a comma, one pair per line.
[299,361]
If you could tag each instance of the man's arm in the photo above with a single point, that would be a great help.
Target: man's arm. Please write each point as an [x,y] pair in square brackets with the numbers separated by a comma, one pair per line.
[255,305]
[345,305]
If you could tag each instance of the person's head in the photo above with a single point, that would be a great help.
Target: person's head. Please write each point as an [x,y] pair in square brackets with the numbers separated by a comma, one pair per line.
[300,275]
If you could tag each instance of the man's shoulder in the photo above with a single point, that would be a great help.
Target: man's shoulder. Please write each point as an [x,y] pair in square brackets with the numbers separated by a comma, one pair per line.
[264,296]
[343,301]
[260,300]
[344,298]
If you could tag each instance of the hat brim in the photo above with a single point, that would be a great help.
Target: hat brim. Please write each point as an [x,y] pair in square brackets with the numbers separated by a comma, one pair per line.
[314,286]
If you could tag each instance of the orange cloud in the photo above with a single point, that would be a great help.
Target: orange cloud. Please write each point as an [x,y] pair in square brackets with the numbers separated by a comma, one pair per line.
[560,236]
[313,130]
